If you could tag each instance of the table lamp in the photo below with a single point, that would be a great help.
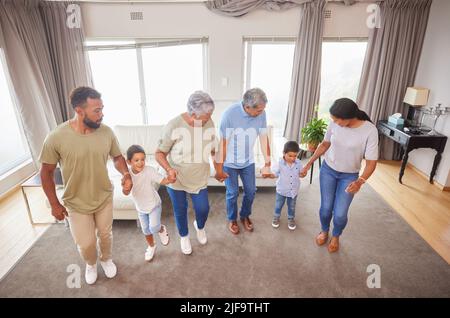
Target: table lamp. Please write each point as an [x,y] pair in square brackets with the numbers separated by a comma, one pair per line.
[415,97]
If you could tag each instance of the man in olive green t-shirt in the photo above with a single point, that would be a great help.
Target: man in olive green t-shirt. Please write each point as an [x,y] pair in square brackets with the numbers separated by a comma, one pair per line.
[82,146]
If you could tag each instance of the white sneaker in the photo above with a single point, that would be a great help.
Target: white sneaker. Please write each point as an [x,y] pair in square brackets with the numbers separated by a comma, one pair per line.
[201,234]
[90,274]
[109,268]
[186,245]
[164,235]
[149,253]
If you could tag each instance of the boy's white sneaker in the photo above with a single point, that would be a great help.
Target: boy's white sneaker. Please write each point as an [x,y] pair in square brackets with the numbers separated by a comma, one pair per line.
[90,275]
[201,234]
[150,252]
[186,245]
[164,235]
[109,268]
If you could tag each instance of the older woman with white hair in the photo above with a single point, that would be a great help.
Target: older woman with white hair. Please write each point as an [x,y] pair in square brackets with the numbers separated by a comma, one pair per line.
[183,151]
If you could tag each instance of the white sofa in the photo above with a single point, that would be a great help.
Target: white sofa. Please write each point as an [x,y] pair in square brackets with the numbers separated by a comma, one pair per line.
[147,136]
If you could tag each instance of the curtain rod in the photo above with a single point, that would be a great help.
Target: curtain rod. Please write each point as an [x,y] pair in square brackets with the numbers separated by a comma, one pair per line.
[179,1]
[130,1]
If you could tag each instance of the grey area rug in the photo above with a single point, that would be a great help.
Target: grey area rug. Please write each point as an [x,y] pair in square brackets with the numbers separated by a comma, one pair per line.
[266,263]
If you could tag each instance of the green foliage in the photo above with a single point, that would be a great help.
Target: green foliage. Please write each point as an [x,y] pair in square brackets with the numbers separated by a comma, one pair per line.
[314,132]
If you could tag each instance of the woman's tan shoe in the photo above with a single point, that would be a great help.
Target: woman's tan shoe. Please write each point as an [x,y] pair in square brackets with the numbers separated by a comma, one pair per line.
[322,238]
[334,245]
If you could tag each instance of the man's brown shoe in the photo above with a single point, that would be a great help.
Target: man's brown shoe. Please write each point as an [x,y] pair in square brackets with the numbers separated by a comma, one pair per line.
[248,225]
[233,227]
[322,238]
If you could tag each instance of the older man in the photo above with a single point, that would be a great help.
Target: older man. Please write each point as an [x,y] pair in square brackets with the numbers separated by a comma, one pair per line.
[240,126]
[81,146]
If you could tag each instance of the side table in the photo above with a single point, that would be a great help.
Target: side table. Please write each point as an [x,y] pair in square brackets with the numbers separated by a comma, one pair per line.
[35,181]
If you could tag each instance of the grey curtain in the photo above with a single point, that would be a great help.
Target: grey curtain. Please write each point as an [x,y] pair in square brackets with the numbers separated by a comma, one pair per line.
[305,84]
[70,62]
[36,55]
[237,8]
[391,61]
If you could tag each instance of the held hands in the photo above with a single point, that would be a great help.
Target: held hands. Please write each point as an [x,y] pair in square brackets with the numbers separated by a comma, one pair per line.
[221,176]
[266,172]
[127,184]
[59,211]
[304,171]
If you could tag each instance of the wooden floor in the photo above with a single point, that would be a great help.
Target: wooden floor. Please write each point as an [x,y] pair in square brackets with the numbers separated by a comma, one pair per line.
[17,235]
[424,207]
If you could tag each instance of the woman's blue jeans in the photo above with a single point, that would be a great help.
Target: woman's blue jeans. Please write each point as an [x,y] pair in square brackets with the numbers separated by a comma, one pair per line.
[334,201]
[180,208]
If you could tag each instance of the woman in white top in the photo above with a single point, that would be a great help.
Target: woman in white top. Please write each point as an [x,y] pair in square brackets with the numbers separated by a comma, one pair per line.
[350,138]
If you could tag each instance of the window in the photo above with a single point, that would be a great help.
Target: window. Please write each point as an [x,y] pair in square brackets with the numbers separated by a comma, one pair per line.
[119,85]
[171,75]
[341,71]
[269,67]
[146,82]
[13,147]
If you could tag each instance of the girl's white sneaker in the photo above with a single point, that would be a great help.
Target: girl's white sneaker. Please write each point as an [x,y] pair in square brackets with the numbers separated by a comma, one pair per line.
[149,253]
[164,235]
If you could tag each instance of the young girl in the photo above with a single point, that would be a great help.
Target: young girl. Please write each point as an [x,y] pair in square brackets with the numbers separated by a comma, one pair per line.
[288,183]
[146,198]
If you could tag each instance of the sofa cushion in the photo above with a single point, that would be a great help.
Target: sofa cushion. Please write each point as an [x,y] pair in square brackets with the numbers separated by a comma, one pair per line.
[146,136]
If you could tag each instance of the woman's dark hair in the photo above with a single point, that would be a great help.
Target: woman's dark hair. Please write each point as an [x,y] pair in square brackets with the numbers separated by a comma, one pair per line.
[291,146]
[134,149]
[345,108]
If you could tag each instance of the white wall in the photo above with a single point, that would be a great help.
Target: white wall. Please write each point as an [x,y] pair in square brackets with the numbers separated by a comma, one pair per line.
[226,51]
[434,73]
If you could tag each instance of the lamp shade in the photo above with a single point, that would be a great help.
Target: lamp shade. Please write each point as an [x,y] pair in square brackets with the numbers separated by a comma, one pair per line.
[416,96]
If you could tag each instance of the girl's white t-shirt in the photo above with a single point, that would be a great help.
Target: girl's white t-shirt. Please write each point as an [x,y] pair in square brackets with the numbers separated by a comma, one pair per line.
[349,146]
[144,194]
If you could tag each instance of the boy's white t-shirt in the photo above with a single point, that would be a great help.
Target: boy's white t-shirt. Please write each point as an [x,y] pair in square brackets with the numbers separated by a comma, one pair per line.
[350,145]
[144,195]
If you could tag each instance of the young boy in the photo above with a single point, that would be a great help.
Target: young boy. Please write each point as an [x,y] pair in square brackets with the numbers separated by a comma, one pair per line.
[146,198]
[288,183]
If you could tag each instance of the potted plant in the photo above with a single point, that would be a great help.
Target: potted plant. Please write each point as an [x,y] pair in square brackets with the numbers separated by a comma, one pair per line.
[314,132]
